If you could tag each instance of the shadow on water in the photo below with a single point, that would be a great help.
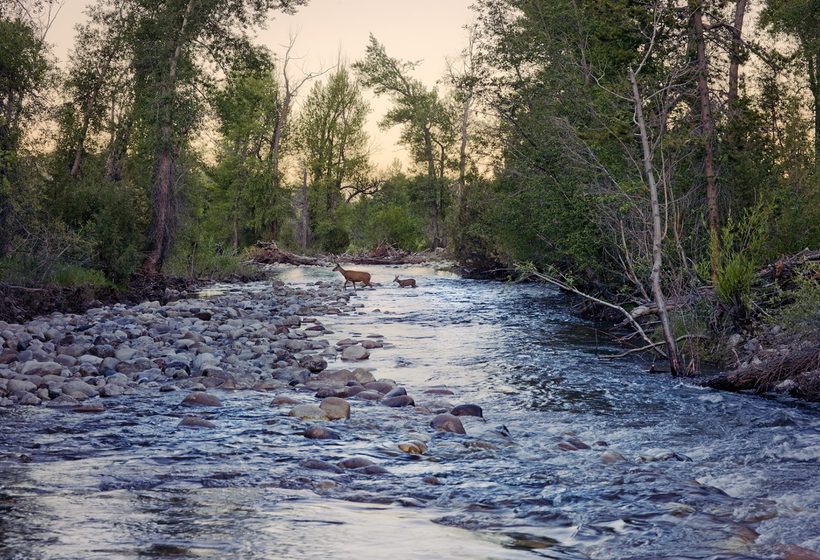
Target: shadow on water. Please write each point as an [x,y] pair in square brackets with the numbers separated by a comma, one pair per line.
[579,457]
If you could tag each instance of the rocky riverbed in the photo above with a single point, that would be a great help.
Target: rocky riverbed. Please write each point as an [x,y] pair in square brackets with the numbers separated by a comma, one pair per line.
[263,340]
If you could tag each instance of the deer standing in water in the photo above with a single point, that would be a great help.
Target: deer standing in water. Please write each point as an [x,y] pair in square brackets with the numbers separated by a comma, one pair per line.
[408,283]
[354,276]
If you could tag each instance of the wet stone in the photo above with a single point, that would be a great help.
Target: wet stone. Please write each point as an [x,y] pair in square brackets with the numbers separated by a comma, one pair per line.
[199,398]
[319,465]
[90,407]
[467,410]
[283,399]
[369,396]
[355,353]
[355,463]
[336,408]
[398,401]
[191,421]
[308,412]
[317,431]
[447,423]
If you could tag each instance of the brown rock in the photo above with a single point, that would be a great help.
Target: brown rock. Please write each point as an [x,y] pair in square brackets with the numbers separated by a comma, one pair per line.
[200,398]
[448,423]
[335,408]
[90,407]
[398,401]
[283,399]
[467,410]
[191,421]
[308,412]
[317,431]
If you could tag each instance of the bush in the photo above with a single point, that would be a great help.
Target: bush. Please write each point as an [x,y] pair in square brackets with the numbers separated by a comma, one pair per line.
[799,311]
[72,275]
[332,238]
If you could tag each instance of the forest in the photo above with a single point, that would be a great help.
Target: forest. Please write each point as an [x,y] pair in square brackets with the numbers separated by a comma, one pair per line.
[653,155]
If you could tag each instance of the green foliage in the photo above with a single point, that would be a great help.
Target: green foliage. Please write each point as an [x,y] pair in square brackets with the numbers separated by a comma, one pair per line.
[73,275]
[741,249]
[799,309]
[331,237]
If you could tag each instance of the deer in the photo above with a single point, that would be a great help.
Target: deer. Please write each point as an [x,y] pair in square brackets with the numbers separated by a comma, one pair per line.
[353,276]
[407,283]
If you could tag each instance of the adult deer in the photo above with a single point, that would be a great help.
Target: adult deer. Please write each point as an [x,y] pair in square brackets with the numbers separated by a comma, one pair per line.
[406,283]
[354,276]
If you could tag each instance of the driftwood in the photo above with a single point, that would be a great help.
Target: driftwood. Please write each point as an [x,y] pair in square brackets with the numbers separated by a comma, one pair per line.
[387,254]
[267,252]
[784,268]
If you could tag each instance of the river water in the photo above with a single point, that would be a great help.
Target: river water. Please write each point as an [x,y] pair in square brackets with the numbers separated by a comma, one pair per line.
[705,474]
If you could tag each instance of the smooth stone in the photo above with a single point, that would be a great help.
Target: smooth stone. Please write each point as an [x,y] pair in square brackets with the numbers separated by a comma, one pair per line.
[320,432]
[79,386]
[609,457]
[8,356]
[413,447]
[355,353]
[439,392]
[20,386]
[319,465]
[89,359]
[336,408]
[63,401]
[313,364]
[308,412]
[467,410]
[112,390]
[398,401]
[90,407]
[396,392]
[201,398]
[341,377]
[369,396]
[373,469]
[191,421]
[447,423]
[282,399]
[66,360]
[41,368]
[380,386]
[371,344]
[29,399]
[355,463]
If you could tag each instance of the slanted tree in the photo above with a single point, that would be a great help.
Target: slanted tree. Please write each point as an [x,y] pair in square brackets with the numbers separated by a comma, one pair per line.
[426,124]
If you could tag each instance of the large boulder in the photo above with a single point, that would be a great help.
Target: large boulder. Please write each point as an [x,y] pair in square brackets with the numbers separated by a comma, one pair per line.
[335,408]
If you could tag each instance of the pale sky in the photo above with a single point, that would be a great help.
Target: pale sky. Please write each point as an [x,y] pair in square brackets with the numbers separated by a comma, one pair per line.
[419,30]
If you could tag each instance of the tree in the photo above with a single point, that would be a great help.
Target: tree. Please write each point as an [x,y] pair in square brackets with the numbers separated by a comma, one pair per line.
[171,42]
[801,19]
[427,127]
[23,72]
[333,143]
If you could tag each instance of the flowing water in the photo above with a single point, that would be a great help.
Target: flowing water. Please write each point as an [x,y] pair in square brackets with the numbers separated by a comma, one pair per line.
[706,474]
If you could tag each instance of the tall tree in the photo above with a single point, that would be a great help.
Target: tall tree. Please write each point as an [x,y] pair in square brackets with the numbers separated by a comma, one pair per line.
[423,116]
[23,70]
[332,136]
[172,41]
[801,20]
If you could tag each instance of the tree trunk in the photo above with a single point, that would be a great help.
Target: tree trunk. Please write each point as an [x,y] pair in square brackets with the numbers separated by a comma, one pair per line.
[735,54]
[708,133]
[88,107]
[657,255]
[813,63]
[431,185]
[165,178]
[304,216]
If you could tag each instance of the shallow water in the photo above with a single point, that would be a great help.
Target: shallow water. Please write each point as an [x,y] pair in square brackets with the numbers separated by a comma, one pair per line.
[706,475]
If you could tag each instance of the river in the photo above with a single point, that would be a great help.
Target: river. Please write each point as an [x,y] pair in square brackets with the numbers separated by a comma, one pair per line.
[672,470]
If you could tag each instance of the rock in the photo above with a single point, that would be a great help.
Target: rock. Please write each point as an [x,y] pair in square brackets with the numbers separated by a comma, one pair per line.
[794,552]
[90,407]
[7,356]
[396,392]
[15,386]
[89,359]
[41,368]
[317,431]
[398,401]
[335,408]
[63,401]
[447,423]
[308,412]
[354,353]
[442,392]
[341,377]
[191,421]
[370,344]
[200,398]
[380,386]
[610,456]
[282,399]
[319,465]
[28,399]
[355,463]
[112,390]
[369,396]
[467,410]
[79,386]
[313,364]
[413,447]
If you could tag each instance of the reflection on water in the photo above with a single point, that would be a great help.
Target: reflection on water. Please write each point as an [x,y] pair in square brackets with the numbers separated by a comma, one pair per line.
[671,471]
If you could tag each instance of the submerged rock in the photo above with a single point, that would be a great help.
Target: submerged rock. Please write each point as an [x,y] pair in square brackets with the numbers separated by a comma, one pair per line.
[447,423]
[200,398]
